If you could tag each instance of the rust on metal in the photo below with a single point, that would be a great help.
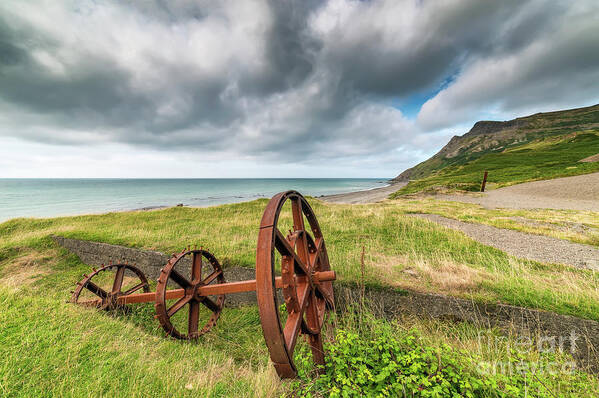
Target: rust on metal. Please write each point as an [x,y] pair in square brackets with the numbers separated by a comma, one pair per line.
[310,297]
[191,297]
[305,283]
[109,299]
[212,290]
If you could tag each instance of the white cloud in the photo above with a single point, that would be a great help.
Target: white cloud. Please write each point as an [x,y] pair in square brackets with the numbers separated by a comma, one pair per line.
[556,71]
[285,85]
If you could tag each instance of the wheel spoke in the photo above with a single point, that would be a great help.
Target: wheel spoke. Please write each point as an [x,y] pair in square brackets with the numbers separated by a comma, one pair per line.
[118,279]
[312,316]
[194,319]
[286,250]
[179,279]
[298,215]
[211,277]
[314,257]
[134,288]
[323,291]
[95,289]
[298,225]
[212,306]
[294,320]
[178,305]
[317,348]
[196,267]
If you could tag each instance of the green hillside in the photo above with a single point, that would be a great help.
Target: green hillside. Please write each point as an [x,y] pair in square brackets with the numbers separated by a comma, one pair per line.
[537,147]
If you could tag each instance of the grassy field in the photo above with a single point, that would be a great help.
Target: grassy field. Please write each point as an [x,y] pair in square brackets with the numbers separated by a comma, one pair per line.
[573,225]
[53,348]
[541,158]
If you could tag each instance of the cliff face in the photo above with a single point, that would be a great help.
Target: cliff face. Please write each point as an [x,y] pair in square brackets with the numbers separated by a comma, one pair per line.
[485,127]
[489,136]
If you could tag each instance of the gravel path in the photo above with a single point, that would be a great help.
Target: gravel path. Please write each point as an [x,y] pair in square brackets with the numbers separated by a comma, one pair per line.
[571,193]
[520,244]
[368,196]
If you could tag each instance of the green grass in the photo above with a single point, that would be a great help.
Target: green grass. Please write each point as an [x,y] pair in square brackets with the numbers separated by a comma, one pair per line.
[439,260]
[542,158]
[53,348]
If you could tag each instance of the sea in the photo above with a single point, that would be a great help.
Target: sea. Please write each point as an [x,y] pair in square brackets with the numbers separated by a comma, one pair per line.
[64,197]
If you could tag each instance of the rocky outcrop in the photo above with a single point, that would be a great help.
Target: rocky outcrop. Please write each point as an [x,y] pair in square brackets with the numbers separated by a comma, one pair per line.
[405,176]
[483,136]
[492,127]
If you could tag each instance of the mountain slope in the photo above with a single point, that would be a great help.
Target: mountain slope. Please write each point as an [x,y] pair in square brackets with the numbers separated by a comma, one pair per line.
[536,147]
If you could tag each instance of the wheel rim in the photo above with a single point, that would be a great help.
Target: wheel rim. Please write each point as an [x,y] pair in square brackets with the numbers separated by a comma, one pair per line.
[109,295]
[172,274]
[307,300]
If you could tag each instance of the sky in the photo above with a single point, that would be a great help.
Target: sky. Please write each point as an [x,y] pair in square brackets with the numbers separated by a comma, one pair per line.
[338,88]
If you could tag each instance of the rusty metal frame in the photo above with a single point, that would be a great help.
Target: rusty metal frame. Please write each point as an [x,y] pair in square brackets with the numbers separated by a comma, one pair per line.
[305,281]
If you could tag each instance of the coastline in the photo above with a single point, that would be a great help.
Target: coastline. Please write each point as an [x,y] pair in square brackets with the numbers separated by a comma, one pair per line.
[367,196]
[49,198]
[371,195]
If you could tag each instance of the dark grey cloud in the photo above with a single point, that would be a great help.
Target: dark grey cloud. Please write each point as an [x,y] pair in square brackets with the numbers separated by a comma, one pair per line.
[287,81]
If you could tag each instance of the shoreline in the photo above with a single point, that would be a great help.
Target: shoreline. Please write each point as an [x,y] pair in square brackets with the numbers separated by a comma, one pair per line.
[372,195]
[362,196]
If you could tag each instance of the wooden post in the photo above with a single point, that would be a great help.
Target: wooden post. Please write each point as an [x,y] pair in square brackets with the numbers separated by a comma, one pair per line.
[482,187]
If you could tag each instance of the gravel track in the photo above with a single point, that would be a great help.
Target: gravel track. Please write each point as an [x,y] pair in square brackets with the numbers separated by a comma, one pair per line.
[523,245]
[570,193]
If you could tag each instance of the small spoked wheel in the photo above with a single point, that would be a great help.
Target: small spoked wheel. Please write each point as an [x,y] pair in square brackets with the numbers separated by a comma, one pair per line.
[103,287]
[180,309]
[303,253]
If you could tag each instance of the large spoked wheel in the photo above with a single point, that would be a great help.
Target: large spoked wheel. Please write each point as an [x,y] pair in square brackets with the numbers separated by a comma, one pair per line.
[302,253]
[101,289]
[170,312]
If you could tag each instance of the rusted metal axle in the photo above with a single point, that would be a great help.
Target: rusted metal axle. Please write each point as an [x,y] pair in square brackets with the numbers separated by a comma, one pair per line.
[209,290]
[305,283]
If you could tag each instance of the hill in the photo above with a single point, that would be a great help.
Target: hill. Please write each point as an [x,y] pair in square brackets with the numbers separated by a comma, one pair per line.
[536,147]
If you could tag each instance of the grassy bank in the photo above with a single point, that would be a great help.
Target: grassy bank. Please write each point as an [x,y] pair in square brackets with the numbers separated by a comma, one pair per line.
[53,348]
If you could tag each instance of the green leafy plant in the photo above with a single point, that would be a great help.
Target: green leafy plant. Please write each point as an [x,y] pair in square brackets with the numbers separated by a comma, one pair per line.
[381,360]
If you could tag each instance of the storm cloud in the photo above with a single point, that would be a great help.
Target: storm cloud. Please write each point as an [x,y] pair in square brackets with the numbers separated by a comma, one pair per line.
[288,81]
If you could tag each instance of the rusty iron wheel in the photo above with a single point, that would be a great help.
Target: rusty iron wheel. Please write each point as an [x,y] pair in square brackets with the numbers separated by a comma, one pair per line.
[108,296]
[169,275]
[307,300]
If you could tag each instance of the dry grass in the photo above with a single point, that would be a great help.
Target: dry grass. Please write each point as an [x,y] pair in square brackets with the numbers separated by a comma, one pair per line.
[446,276]
[574,225]
[25,269]
[425,274]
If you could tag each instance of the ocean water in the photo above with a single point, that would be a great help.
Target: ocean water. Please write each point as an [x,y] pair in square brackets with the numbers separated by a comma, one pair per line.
[60,197]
